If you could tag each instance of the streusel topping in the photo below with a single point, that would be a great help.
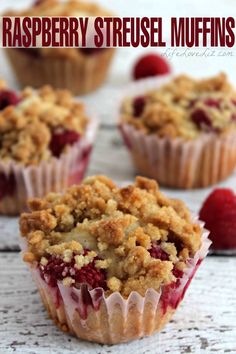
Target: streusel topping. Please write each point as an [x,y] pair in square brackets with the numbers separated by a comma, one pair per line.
[121,239]
[38,125]
[185,107]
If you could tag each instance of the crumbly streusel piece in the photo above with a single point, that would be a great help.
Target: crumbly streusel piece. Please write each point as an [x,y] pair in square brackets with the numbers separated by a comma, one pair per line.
[37,125]
[130,238]
[185,108]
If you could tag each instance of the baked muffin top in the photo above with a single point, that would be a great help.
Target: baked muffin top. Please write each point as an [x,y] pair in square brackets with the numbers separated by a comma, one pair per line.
[184,107]
[38,125]
[58,8]
[121,239]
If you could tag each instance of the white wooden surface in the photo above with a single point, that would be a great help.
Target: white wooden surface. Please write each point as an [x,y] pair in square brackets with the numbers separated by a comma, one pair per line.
[205,322]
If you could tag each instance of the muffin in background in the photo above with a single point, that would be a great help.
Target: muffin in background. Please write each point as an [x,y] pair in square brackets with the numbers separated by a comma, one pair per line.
[46,140]
[81,70]
[112,264]
[181,131]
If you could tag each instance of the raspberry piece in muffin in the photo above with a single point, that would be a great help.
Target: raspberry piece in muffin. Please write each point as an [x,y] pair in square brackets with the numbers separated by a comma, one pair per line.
[57,269]
[138,106]
[7,185]
[8,98]
[61,139]
[219,214]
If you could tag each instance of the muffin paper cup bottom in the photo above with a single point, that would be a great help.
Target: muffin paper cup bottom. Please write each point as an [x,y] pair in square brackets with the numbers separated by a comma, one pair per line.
[182,164]
[80,75]
[52,176]
[90,315]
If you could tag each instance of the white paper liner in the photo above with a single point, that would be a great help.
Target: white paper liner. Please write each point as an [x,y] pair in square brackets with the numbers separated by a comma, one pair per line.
[54,175]
[175,162]
[182,164]
[96,322]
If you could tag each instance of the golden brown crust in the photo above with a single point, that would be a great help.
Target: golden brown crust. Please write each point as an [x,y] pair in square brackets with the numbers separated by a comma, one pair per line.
[118,225]
[27,128]
[168,111]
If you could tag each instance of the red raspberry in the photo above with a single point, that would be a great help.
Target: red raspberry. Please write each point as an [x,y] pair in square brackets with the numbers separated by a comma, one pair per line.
[219,214]
[8,98]
[158,253]
[56,269]
[7,185]
[211,102]
[200,118]
[60,140]
[177,273]
[138,106]
[151,65]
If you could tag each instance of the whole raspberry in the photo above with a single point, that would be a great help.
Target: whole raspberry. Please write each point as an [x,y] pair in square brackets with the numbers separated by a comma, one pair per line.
[151,65]
[138,106]
[60,140]
[157,252]
[56,269]
[8,98]
[219,214]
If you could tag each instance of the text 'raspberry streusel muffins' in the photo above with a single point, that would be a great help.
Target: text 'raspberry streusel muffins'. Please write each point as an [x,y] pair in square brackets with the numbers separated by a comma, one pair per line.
[81,70]
[46,139]
[181,132]
[112,264]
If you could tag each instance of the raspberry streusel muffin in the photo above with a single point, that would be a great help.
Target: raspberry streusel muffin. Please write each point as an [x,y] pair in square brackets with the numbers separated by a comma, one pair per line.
[81,70]
[182,133]
[111,264]
[46,139]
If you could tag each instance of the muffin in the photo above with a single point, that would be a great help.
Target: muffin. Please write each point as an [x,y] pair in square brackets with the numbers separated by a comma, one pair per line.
[111,264]
[81,70]
[46,139]
[183,132]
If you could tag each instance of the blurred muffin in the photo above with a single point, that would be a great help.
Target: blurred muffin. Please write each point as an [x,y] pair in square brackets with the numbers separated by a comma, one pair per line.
[46,140]
[182,133]
[81,70]
[111,264]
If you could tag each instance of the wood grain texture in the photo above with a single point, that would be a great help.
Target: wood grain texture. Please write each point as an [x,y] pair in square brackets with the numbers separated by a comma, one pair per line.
[204,323]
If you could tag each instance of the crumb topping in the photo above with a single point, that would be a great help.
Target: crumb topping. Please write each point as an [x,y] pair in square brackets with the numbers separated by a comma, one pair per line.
[38,125]
[185,107]
[130,238]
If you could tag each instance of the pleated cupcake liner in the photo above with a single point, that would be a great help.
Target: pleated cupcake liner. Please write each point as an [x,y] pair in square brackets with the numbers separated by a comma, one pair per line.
[182,164]
[80,75]
[89,315]
[49,176]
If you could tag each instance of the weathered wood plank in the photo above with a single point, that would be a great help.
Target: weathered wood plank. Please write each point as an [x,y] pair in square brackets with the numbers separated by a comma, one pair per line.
[204,323]
[110,157]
